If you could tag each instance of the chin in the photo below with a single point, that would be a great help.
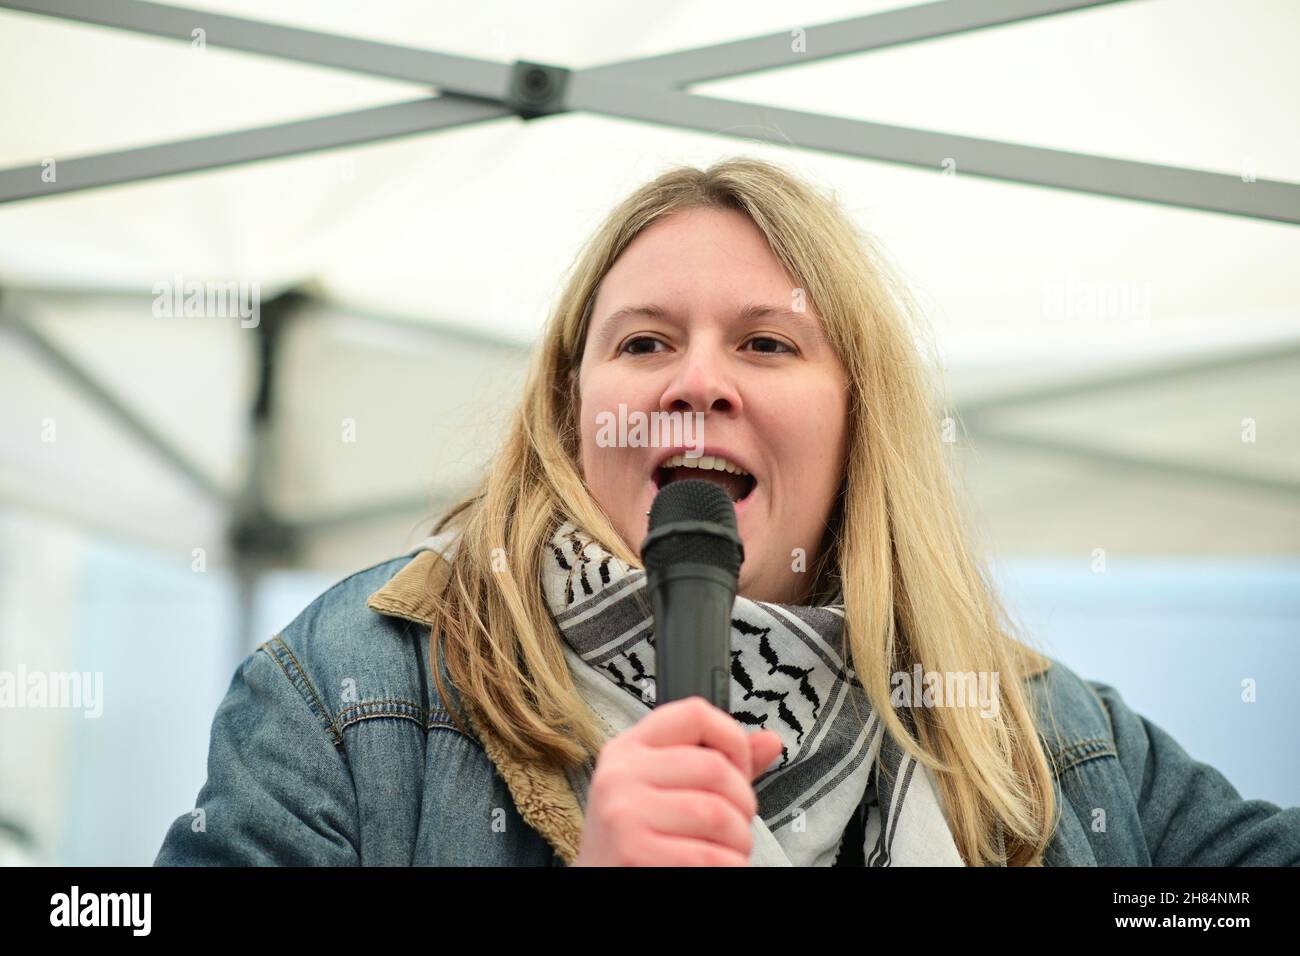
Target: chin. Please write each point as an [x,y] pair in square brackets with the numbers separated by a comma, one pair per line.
[746,583]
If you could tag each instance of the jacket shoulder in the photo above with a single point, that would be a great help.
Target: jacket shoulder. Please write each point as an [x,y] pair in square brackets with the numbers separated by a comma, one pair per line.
[356,662]
[1072,719]
[1172,810]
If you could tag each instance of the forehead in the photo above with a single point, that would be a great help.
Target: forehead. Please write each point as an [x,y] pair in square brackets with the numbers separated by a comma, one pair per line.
[697,258]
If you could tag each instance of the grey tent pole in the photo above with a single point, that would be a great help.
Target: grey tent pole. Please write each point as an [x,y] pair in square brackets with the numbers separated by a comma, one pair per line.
[250,502]
[107,400]
[442,329]
[874,31]
[258,539]
[1136,376]
[246,146]
[965,155]
[1123,458]
[473,76]
[462,74]
[247,581]
[426,327]
[596,90]
[978,416]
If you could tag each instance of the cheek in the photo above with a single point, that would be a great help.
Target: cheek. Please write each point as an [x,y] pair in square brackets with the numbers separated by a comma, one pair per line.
[594,458]
[603,468]
[808,425]
[588,401]
[832,436]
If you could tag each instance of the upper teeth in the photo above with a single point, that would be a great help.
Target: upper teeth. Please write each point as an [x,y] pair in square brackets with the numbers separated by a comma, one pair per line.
[714,462]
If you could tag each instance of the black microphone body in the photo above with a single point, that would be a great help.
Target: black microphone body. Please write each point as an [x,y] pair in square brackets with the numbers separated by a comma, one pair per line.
[692,556]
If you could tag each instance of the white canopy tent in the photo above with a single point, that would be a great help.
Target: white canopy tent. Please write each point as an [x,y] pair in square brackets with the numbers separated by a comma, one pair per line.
[1096,201]
[1104,232]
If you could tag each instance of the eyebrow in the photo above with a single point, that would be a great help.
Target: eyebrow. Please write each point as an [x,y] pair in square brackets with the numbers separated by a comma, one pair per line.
[749,313]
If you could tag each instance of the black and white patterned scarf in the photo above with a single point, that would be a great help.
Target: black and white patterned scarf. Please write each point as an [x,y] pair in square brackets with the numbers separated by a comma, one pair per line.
[788,676]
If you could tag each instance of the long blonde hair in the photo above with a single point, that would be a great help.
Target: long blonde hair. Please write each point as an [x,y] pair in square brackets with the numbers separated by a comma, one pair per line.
[897,543]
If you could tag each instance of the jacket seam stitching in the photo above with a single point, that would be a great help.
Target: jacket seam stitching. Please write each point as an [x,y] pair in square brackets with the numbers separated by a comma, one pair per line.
[1082,751]
[351,712]
[400,707]
[1105,709]
[448,724]
[382,713]
[426,724]
[323,715]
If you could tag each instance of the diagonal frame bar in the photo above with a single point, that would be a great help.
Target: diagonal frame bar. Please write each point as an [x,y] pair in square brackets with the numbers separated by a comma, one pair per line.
[246,146]
[104,398]
[874,31]
[1077,172]
[1149,464]
[606,90]
[1137,376]
[467,75]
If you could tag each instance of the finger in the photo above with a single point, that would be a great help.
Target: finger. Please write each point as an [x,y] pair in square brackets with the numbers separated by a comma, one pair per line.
[765,748]
[693,720]
[683,851]
[699,768]
[697,814]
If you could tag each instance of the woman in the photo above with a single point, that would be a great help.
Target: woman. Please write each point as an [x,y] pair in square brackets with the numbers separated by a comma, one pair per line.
[489,699]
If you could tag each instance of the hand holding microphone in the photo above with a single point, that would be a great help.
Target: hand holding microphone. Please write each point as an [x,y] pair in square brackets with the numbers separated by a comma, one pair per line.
[676,789]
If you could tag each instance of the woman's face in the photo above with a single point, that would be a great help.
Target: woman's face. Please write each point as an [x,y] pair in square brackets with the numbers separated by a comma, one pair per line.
[697,317]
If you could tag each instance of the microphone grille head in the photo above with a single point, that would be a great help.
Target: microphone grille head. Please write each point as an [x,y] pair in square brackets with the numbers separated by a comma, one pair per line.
[693,499]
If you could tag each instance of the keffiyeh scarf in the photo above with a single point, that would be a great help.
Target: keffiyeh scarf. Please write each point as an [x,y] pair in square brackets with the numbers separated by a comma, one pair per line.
[788,676]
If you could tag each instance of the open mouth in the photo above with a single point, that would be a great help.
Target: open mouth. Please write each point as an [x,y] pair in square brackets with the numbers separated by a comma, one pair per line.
[733,479]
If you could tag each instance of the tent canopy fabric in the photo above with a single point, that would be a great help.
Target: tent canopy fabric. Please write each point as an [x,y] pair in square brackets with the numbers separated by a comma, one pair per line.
[1126,371]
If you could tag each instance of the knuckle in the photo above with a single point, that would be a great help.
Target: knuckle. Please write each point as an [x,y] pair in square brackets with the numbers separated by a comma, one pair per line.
[701,707]
[630,851]
[618,814]
[717,815]
[719,765]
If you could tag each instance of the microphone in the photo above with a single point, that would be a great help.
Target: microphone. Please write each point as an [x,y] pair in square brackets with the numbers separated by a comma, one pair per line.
[692,556]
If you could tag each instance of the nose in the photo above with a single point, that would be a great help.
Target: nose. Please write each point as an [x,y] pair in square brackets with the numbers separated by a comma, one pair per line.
[701,383]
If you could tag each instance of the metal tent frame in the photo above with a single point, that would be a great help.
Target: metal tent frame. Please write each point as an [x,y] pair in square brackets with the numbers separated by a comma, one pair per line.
[650,89]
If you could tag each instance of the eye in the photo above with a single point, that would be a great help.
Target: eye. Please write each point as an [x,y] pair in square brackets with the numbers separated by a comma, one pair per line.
[627,346]
[767,338]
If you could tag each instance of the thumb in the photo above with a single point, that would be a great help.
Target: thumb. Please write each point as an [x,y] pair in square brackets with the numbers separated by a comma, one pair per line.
[764,748]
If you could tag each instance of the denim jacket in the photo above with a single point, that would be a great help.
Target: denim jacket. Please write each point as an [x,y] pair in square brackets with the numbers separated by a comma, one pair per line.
[332,747]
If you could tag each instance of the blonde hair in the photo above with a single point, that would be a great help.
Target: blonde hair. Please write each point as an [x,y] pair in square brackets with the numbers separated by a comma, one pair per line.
[897,542]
